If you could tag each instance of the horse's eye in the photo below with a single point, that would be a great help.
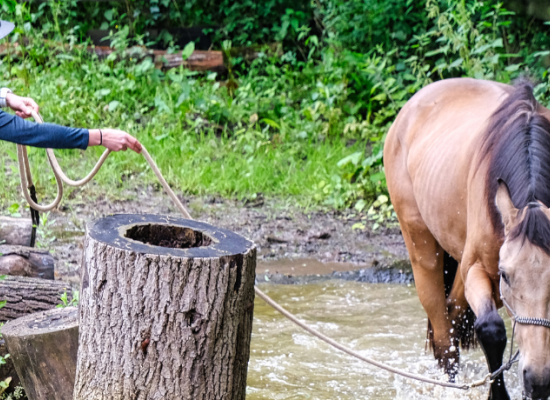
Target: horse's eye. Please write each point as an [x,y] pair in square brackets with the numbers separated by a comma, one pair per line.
[504,277]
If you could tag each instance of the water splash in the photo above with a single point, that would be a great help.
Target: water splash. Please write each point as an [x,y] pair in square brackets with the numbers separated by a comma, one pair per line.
[385,322]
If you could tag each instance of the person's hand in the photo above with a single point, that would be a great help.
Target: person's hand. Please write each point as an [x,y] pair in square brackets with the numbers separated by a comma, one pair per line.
[114,140]
[23,106]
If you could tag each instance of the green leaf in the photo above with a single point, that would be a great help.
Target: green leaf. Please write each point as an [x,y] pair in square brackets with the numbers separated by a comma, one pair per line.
[497,43]
[3,303]
[434,52]
[108,15]
[161,137]
[360,205]
[352,158]
[513,67]
[271,123]
[102,93]
[188,50]
[113,105]
[456,63]
[8,6]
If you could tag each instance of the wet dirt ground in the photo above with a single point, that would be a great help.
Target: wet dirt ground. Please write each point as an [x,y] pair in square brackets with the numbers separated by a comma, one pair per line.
[294,245]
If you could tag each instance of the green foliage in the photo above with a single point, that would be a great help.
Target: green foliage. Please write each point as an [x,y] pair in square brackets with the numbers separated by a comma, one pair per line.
[65,302]
[310,123]
[18,394]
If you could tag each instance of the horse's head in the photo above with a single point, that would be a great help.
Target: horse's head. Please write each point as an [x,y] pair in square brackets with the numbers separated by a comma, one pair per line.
[524,268]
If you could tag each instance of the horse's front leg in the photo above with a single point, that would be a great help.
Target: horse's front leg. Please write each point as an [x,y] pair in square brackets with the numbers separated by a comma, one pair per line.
[489,327]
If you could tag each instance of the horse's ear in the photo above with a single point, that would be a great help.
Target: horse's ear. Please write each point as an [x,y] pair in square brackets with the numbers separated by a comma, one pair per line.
[508,211]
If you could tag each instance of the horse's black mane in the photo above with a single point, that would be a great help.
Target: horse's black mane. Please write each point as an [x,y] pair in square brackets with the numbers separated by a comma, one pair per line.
[517,143]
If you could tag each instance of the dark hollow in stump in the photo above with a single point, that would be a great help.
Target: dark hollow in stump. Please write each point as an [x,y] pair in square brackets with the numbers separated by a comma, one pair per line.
[30,295]
[165,310]
[43,347]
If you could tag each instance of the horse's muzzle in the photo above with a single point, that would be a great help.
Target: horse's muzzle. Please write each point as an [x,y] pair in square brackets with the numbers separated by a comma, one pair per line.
[536,386]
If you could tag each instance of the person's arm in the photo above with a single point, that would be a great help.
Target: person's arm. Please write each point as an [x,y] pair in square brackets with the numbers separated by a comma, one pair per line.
[16,129]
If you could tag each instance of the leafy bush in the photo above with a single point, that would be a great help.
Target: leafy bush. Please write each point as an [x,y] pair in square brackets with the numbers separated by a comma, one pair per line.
[348,66]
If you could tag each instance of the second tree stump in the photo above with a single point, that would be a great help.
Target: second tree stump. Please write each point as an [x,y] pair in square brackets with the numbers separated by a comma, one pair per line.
[165,310]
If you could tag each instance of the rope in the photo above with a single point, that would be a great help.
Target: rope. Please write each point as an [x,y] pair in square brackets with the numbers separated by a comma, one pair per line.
[368,360]
[60,177]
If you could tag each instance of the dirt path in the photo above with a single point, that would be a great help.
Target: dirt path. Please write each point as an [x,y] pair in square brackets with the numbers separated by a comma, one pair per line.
[291,242]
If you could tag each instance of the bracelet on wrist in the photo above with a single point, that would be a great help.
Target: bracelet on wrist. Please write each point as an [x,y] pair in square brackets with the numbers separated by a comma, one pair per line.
[3,93]
[100,137]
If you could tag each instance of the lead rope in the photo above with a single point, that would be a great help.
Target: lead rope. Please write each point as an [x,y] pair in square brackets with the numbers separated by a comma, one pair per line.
[26,178]
[60,177]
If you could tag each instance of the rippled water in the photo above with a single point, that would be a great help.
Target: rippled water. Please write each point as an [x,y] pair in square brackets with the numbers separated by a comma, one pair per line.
[385,322]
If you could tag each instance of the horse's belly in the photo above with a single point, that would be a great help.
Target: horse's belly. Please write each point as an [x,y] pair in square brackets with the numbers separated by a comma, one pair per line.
[440,186]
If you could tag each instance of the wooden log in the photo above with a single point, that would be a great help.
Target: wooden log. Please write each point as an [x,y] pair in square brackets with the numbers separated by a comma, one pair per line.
[43,347]
[26,261]
[15,231]
[199,60]
[29,295]
[165,310]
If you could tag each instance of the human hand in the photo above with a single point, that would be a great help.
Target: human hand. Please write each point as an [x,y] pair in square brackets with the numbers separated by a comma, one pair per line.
[23,106]
[114,140]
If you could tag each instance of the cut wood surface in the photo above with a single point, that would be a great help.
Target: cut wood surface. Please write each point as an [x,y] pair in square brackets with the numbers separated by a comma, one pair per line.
[171,323]
[43,347]
[15,231]
[28,295]
[26,261]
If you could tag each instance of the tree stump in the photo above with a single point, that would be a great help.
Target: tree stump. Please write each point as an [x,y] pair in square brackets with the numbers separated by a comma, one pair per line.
[165,310]
[43,347]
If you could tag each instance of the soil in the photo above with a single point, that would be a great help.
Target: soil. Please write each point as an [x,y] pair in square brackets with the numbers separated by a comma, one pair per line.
[294,245]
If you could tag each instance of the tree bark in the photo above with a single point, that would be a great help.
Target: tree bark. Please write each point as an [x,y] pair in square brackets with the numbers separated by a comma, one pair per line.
[169,322]
[29,295]
[15,231]
[26,261]
[43,347]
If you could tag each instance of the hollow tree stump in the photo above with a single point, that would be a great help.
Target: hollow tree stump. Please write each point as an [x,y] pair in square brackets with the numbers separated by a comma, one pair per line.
[43,347]
[170,322]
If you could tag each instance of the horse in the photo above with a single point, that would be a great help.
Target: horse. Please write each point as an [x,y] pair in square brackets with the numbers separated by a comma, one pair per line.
[467,165]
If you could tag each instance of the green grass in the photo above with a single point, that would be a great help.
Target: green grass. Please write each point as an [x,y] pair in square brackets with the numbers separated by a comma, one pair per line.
[268,137]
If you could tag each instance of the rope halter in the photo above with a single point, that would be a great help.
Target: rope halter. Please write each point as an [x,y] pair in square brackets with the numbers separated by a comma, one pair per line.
[525,320]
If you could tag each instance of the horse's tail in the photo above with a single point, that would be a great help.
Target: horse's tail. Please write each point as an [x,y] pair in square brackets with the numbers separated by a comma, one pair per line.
[465,329]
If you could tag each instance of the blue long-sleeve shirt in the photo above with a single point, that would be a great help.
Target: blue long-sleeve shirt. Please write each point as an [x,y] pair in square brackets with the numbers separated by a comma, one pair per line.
[17,130]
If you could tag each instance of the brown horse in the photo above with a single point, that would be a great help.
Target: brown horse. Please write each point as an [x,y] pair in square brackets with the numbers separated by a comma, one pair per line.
[468,170]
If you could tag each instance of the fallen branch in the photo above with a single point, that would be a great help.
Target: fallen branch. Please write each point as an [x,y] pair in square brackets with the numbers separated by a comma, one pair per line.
[28,295]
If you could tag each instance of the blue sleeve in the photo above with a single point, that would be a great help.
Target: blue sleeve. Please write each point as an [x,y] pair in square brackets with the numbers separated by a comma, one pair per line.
[17,130]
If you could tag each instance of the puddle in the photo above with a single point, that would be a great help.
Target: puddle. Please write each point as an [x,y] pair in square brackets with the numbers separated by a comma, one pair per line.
[303,266]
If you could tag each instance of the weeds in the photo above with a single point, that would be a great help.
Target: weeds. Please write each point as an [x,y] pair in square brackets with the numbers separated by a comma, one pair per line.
[309,124]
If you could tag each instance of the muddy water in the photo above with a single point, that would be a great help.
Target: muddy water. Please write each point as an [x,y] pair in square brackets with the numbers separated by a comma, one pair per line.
[385,322]
[302,266]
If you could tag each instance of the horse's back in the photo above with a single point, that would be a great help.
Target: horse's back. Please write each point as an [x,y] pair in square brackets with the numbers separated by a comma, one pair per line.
[430,155]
